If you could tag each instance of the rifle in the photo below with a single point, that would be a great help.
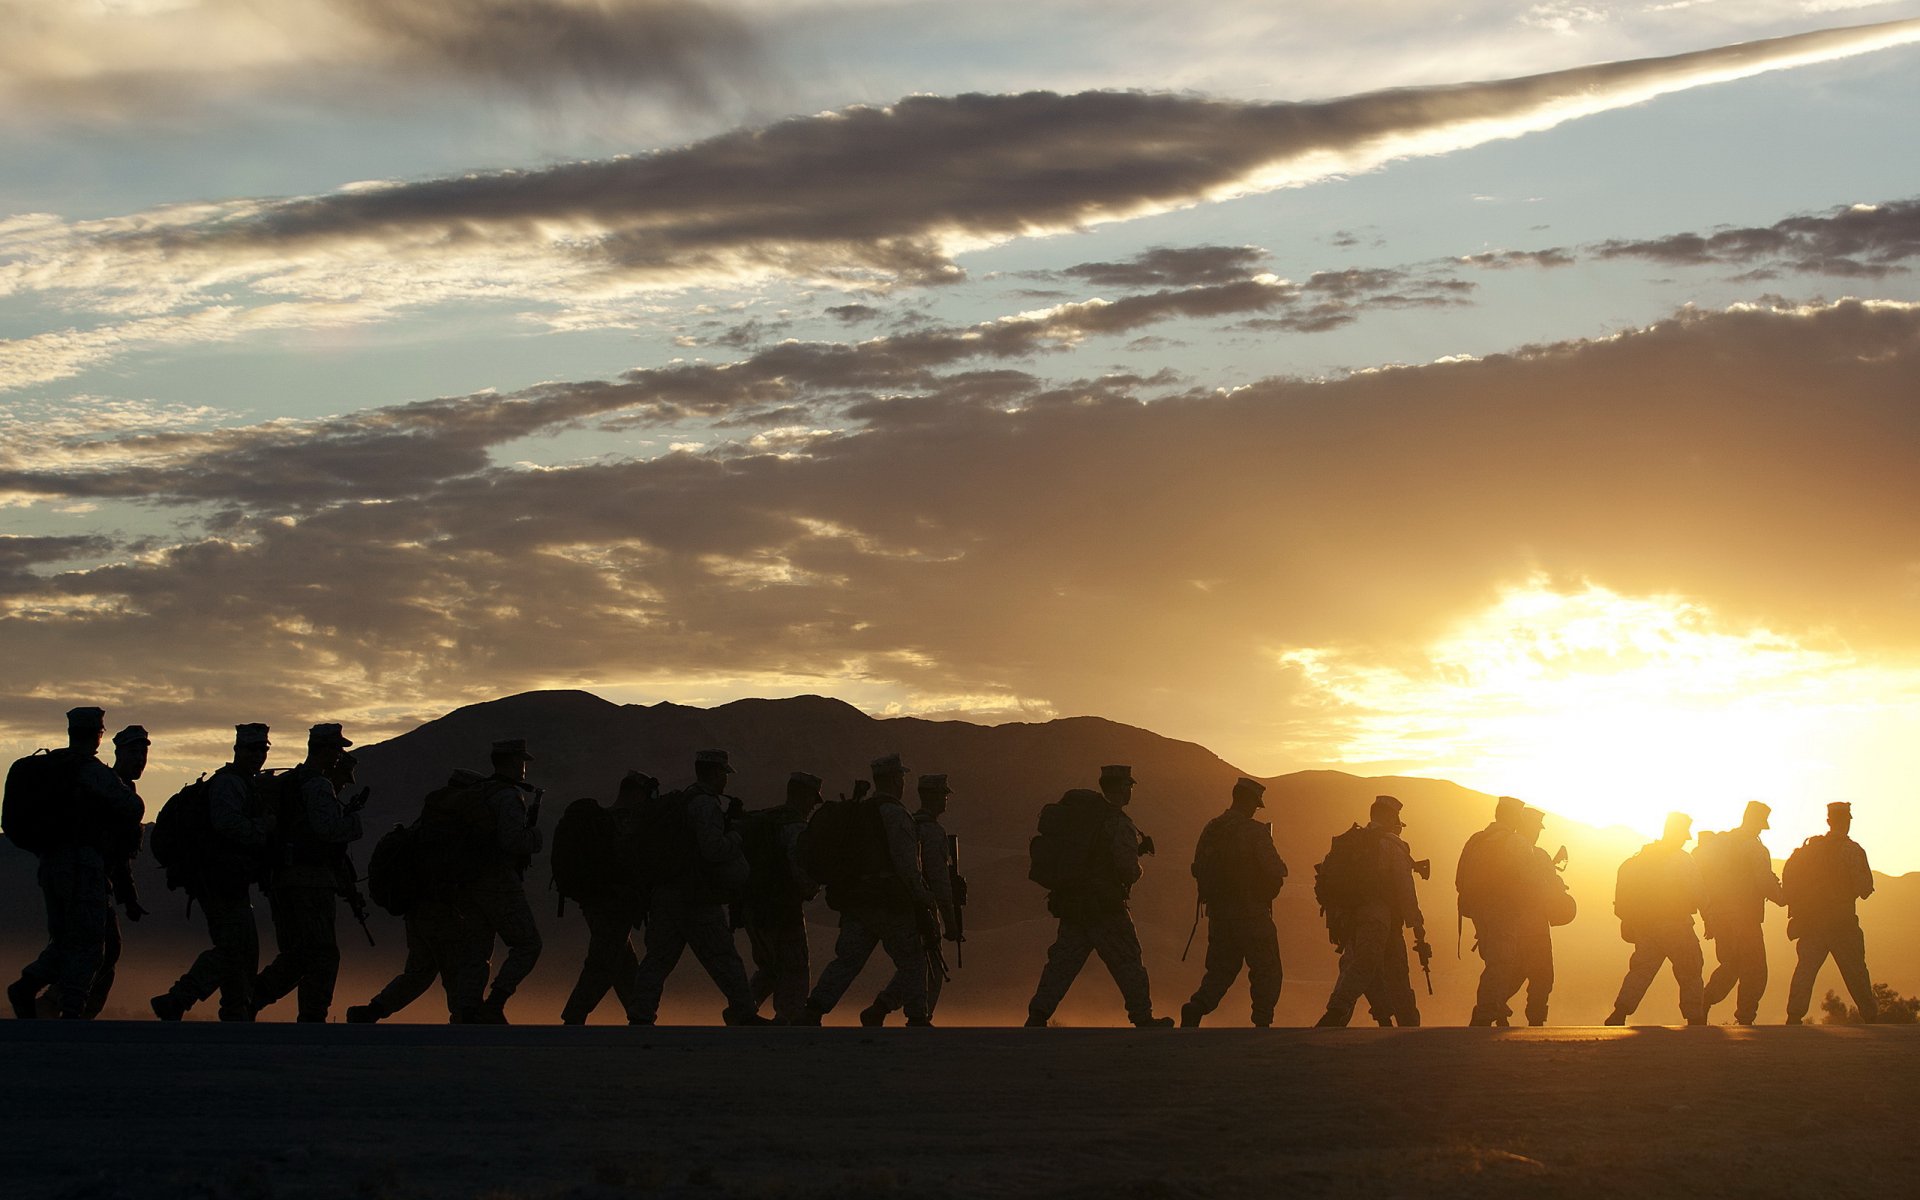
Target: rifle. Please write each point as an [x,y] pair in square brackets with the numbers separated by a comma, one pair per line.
[959,885]
[347,883]
[1425,951]
[1191,933]
[1560,860]
[930,938]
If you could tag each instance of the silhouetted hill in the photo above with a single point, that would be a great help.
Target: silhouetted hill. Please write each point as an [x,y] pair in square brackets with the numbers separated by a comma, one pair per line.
[1001,775]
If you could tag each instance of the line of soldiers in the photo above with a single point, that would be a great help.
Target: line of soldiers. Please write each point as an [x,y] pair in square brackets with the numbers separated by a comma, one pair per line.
[691,867]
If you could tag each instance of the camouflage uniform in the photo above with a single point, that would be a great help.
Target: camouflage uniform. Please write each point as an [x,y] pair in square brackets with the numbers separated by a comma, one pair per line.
[1665,935]
[1545,892]
[611,964]
[892,925]
[689,913]
[777,933]
[447,940]
[1373,958]
[936,868]
[302,897]
[498,897]
[230,964]
[1099,923]
[1504,936]
[82,934]
[1827,925]
[1240,918]
[1735,913]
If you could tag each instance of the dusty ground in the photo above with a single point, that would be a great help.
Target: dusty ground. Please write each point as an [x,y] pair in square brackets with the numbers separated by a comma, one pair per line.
[139,1110]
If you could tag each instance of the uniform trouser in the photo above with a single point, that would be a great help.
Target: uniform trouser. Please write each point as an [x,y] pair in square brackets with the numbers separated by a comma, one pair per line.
[1231,943]
[1742,953]
[1844,942]
[505,913]
[229,965]
[1534,945]
[862,929]
[1373,963]
[677,922]
[308,957]
[79,915]
[109,960]
[1681,948]
[1114,939]
[1502,973]
[611,963]
[890,998]
[447,940]
[780,968]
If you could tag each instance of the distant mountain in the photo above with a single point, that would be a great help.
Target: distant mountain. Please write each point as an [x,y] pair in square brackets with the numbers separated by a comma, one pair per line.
[1001,775]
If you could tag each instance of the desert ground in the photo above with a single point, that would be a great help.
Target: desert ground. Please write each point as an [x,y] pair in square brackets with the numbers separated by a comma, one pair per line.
[136,1110]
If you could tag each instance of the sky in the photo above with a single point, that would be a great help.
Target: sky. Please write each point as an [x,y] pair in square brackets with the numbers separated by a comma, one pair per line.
[1516,393]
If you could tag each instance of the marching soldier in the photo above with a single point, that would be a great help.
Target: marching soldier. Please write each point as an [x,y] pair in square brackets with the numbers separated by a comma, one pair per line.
[883,908]
[687,909]
[1655,897]
[314,830]
[611,913]
[1239,874]
[130,748]
[1093,911]
[1372,934]
[1491,882]
[241,828]
[88,822]
[1826,877]
[499,894]
[936,867]
[1737,872]
[1544,903]
[774,910]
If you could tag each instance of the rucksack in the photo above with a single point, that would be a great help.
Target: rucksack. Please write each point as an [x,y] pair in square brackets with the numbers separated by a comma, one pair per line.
[1349,876]
[393,870]
[37,810]
[586,855]
[1064,856]
[844,845]
[1812,874]
[666,852]
[183,835]
[770,879]
[1642,890]
[1226,870]
[294,839]
[1482,886]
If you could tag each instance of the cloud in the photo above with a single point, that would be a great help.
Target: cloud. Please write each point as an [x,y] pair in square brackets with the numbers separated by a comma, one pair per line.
[1861,241]
[1066,541]
[133,59]
[1171,266]
[865,195]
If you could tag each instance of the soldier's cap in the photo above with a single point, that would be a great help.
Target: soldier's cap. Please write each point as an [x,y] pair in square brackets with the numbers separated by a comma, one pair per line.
[511,748]
[1387,805]
[1678,823]
[1117,773]
[638,781]
[86,717]
[1840,808]
[888,764]
[933,785]
[251,734]
[327,733]
[132,735]
[712,758]
[806,780]
[1756,808]
[1251,787]
[1506,809]
[1533,818]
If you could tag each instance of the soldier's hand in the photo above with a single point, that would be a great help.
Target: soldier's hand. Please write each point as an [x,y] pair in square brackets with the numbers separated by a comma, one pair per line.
[1146,844]
[134,911]
[359,799]
[861,787]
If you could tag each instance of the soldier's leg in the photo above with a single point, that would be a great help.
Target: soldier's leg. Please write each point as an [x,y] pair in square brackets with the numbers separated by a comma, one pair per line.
[710,936]
[230,964]
[1396,979]
[1683,951]
[85,913]
[281,975]
[462,943]
[899,936]
[40,974]
[936,983]
[850,953]
[1810,954]
[1850,955]
[1118,944]
[1262,951]
[1641,968]
[1226,953]
[1751,964]
[1071,946]
[511,917]
[416,976]
[1539,966]
[791,979]
[606,937]
[1501,976]
[320,953]
[1360,960]
[109,961]
[665,941]
[760,944]
[1727,967]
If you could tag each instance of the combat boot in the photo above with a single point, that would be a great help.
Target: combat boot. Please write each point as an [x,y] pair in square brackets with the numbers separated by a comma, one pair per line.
[1616,1017]
[363,1014]
[1154,1023]
[490,1012]
[919,1022]
[808,1016]
[1037,1020]
[168,1007]
[873,1016]
[736,1016]
[23,994]
[1189,1017]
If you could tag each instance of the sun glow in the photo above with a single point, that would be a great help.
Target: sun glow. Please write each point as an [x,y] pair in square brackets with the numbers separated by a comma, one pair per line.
[1613,709]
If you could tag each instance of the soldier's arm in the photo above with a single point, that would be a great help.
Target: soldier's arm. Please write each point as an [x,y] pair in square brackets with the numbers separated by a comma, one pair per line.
[227,798]
[1862,873]
[1124,849]
[933,864]
[904,849]
[1409,895]
[1770,887]
[1272,869]
[718,845]
[514,834]
[326,817]
[790,846]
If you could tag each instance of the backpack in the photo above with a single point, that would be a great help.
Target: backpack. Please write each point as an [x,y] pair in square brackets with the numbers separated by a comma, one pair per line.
[844,848]
[455,838]
[1349,876]
[1812,875]
[1064,856]
[37,811]
[183,835]
[1478,879]
[294,840]
[393,870]
[667,852]
[1226,870]
[586,854]
[770,879]
[1641,892]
